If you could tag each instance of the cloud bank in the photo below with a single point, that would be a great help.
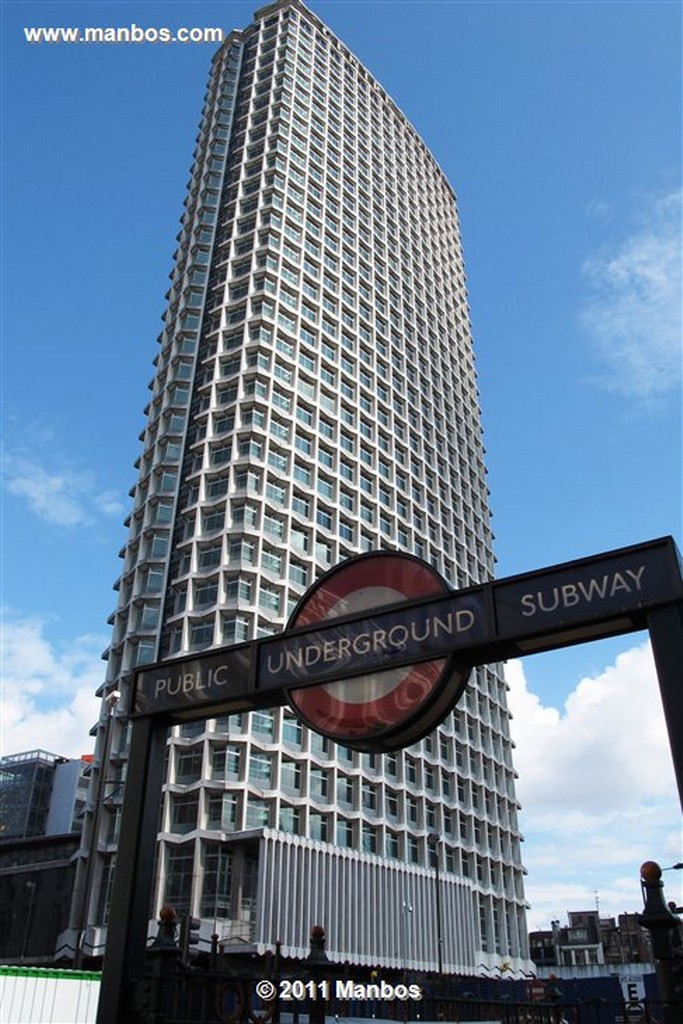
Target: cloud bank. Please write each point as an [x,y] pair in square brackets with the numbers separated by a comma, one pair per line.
[597,788]
[48,700]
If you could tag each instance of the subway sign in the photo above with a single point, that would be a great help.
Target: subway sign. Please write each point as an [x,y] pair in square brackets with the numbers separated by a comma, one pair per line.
[375,616]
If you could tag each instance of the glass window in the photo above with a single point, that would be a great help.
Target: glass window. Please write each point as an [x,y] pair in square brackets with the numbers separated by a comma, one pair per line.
[290,776]
[324,519]
[344,791]
[392,846]
[235,629]
[225,762]
[270,599]
[273,525]
[184,812]
[163,513]
[217,488]
[205,594]
[299,539]
[290,819]
[271,561]
[213,520]
[298,574]
[154,580]
[179,875]
[222,811]
[260,769]
[301,505]
[317,783]
[292,731]
[369,839]
[145,652]
[189,765]
[369,797]
[239,589]
[217,882]
[262,723]
[201,634]
[317,826]
[209,558]
[149,616]
[304,444]
[323,552]
[159,546]
[258,813]
[344,832]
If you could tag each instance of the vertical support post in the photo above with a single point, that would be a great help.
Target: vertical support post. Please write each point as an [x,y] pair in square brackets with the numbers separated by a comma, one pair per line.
[318,966]
[662,925]
[134,873]
[433,842]
[666,633]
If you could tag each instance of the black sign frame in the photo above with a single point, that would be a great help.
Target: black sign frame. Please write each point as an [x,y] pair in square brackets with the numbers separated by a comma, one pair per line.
[621,591]
[571,603]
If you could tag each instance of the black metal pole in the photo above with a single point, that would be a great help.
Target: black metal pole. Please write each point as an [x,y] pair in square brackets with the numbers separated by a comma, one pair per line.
[29,887]
[318,969]
[435,839]
[662,925]
[666,634]
[134,874]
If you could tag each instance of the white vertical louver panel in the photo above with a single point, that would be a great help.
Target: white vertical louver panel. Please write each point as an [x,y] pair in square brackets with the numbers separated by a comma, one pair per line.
[394,916]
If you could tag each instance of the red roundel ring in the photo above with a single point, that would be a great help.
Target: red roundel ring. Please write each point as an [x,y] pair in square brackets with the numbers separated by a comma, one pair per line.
[383,710]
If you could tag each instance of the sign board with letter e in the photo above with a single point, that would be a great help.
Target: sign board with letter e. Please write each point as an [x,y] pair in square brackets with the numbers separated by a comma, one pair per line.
[633,992]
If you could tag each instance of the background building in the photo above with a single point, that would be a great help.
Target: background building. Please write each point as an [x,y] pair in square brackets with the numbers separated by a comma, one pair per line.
[314,397]
[25,789]
[588,939]
[42,797]
[41,794]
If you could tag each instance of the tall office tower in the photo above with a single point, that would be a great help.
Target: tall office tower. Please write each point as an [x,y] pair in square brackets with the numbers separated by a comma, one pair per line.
[314,397]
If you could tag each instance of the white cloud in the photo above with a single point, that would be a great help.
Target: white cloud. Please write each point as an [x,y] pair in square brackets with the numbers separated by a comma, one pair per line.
[61,496]
[597,788]
[634,312]
[48,690]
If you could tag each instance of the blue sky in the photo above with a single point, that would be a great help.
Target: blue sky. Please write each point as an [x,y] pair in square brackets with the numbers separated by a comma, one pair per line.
[559,126]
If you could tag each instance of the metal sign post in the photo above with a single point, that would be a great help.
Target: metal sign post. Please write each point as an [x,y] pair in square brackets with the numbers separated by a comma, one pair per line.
[666,635]
[618,592]
[134,873]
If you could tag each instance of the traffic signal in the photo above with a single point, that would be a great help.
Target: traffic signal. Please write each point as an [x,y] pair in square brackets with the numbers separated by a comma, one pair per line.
[189,935]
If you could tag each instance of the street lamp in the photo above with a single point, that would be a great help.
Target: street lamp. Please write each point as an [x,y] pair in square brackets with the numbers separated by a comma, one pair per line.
[434,841]
[407,908]
[29,887]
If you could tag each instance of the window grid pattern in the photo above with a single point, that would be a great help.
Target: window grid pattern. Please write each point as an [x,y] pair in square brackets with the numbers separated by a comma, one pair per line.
[314,397]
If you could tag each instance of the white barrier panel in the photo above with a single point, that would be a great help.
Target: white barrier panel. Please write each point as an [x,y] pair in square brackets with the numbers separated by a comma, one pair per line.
[45,996]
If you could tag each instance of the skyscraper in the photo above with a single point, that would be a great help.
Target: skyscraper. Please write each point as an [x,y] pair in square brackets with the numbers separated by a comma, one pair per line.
[314,397]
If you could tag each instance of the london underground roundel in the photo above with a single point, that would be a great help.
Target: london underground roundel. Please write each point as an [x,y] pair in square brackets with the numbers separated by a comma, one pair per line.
[389,709]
